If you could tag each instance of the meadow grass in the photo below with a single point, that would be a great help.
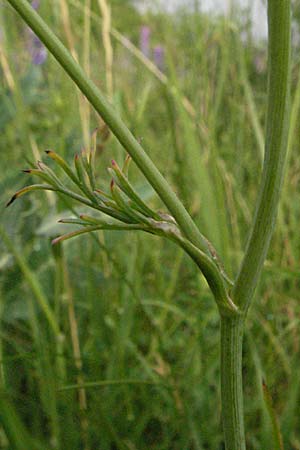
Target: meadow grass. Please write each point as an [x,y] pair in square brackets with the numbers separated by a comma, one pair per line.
[112,340]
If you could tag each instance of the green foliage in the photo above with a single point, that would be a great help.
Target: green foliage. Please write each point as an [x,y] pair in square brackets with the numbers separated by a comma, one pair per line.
[147,329]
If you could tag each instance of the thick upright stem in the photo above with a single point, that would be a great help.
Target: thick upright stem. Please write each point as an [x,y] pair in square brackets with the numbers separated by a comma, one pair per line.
[231,382]
[275,152]
[263,222]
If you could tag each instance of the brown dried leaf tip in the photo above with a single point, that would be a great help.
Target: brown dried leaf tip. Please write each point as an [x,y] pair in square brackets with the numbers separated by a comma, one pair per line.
[11,200]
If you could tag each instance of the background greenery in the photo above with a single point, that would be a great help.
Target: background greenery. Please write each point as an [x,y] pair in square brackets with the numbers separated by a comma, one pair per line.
[127,316]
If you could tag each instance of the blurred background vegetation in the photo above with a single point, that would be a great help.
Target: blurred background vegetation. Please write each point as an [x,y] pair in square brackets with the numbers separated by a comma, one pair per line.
[111,341]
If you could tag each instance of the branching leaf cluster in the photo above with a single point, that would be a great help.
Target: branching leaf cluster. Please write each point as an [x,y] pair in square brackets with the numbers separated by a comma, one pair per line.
[119,208]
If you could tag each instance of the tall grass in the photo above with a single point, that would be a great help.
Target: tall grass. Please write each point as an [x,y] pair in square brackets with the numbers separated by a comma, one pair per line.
[142,355]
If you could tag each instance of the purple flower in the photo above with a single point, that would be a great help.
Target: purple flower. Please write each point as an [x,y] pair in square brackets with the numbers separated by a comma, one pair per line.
[37,50]
[35,4]
[159,57]
[145,33]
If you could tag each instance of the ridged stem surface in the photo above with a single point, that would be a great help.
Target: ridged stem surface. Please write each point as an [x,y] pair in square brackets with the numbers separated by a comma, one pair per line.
[275,152]
[231,382]
[279,22]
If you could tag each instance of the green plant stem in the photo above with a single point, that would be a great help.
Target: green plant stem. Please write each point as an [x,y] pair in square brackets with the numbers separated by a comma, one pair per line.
[265,215]
[232,328]
[119,129]
[275,152]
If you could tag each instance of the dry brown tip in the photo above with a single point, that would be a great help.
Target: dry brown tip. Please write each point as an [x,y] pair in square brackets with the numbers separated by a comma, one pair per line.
[11,200]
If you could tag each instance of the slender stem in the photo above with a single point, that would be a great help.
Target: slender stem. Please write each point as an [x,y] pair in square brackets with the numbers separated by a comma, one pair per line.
[275,152]
[231,382]
[119,129]
[210,271]
[264,219]
[232,328]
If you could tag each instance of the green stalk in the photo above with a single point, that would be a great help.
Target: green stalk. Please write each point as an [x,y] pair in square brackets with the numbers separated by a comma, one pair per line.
[232,324]
[119,129]
[232,329]
[105,110]
[275,152]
